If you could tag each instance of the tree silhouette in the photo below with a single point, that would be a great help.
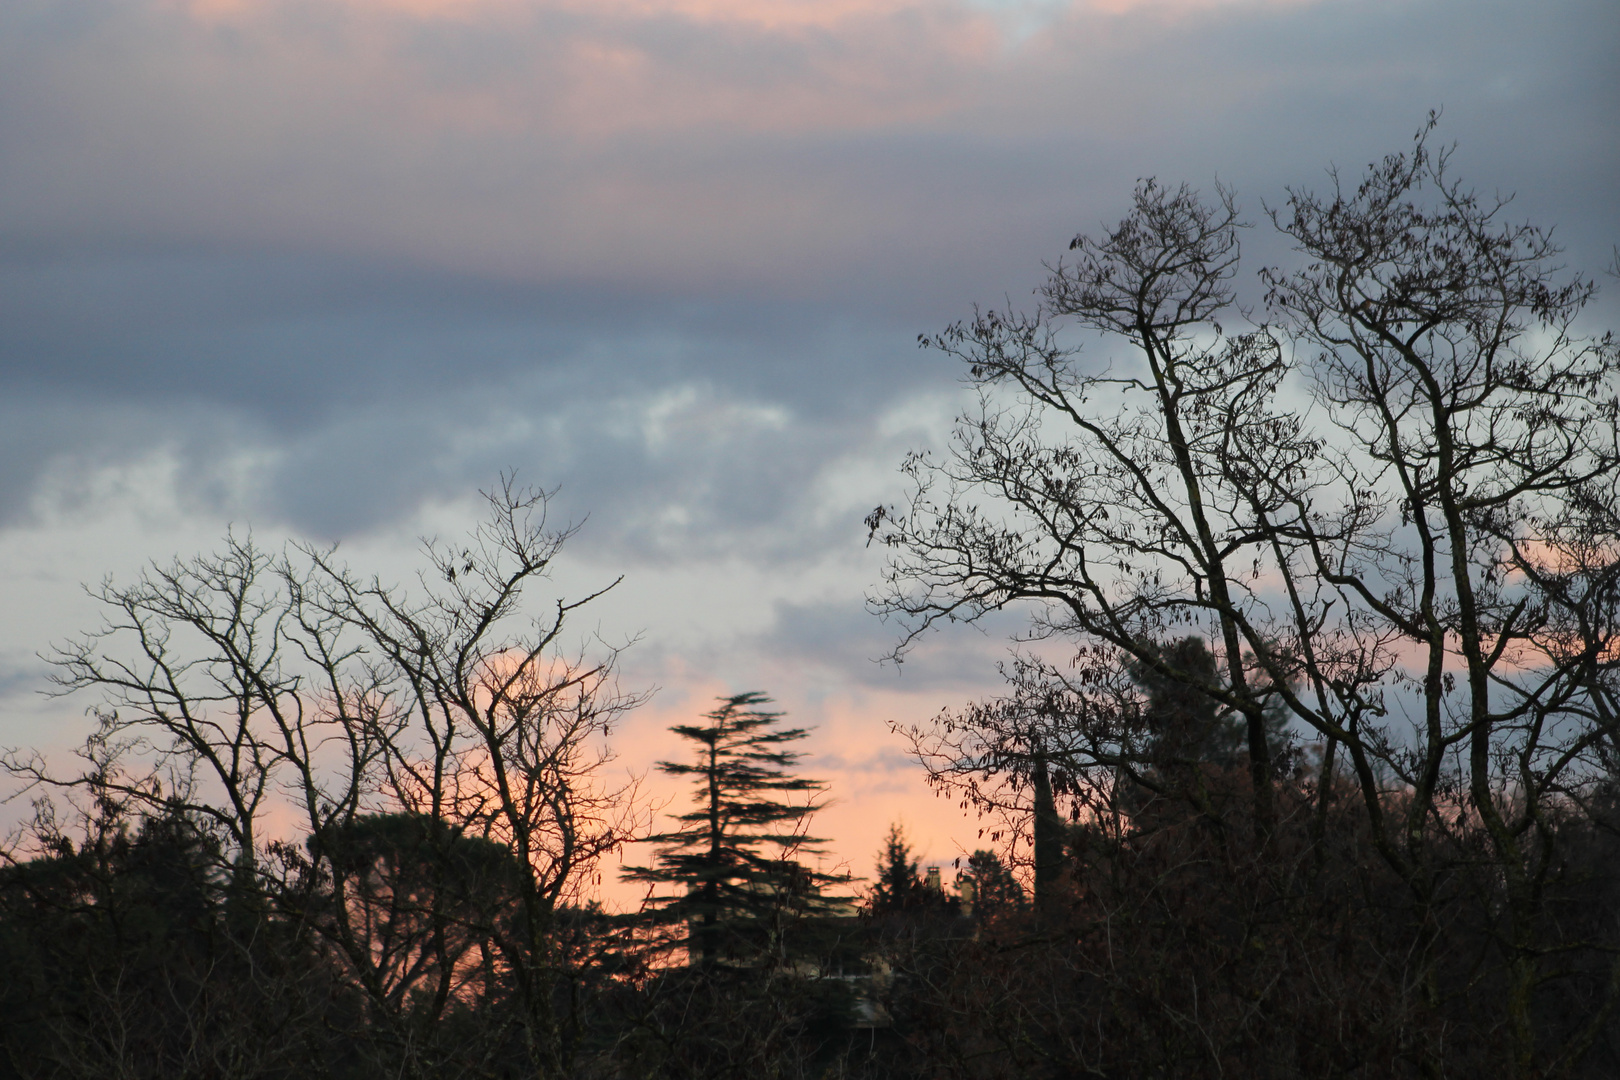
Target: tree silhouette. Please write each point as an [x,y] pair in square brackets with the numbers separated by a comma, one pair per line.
[994,887]
[1419,568]
[736,857]
[899,886]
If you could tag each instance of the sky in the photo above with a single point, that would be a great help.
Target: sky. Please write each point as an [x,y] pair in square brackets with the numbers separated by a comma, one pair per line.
[325,268]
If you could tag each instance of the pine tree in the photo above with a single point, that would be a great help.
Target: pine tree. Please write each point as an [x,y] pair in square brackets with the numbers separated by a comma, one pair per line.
[994,887]
[899,885]
[736,857]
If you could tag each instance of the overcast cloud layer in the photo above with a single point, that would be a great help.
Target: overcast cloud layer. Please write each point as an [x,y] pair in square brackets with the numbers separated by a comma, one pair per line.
[325,267]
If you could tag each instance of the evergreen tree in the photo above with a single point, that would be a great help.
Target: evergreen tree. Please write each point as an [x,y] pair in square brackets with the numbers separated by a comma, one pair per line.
[1188,724]
[899,884]
[994,887]
[736,856]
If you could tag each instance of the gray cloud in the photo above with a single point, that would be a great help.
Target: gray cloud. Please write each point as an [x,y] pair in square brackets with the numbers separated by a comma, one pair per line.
[338,260]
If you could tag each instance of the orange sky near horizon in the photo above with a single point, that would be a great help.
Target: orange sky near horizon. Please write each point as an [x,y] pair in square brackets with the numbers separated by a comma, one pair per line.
[871,781]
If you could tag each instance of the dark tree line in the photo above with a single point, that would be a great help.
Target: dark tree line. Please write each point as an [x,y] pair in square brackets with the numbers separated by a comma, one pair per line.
[1308,763]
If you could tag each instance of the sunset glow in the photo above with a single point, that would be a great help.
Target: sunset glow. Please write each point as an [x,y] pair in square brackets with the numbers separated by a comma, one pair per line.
[325,269]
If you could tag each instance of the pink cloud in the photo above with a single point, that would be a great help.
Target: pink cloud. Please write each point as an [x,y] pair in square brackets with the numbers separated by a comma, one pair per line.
[691,141]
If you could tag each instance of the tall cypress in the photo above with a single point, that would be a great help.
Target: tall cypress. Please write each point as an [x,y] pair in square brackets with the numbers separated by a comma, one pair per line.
[1049,832]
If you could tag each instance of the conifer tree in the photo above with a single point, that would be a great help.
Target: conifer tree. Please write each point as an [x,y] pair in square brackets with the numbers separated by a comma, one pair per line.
[736,856]
[1185,719]
[899,885]
[994,887]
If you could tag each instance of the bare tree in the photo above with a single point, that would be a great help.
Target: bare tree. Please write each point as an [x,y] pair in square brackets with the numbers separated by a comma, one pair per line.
[241,687]
[499,732]
[1392,515]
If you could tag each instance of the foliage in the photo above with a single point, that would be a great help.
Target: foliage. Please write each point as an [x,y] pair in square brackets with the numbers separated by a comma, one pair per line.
[126,956]
[743,894]
[897,885]
[995,889]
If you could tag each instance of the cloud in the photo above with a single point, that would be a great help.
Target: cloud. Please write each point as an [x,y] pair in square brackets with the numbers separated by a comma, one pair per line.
[674,149]
[338,259]
[375,247]
[327,267]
